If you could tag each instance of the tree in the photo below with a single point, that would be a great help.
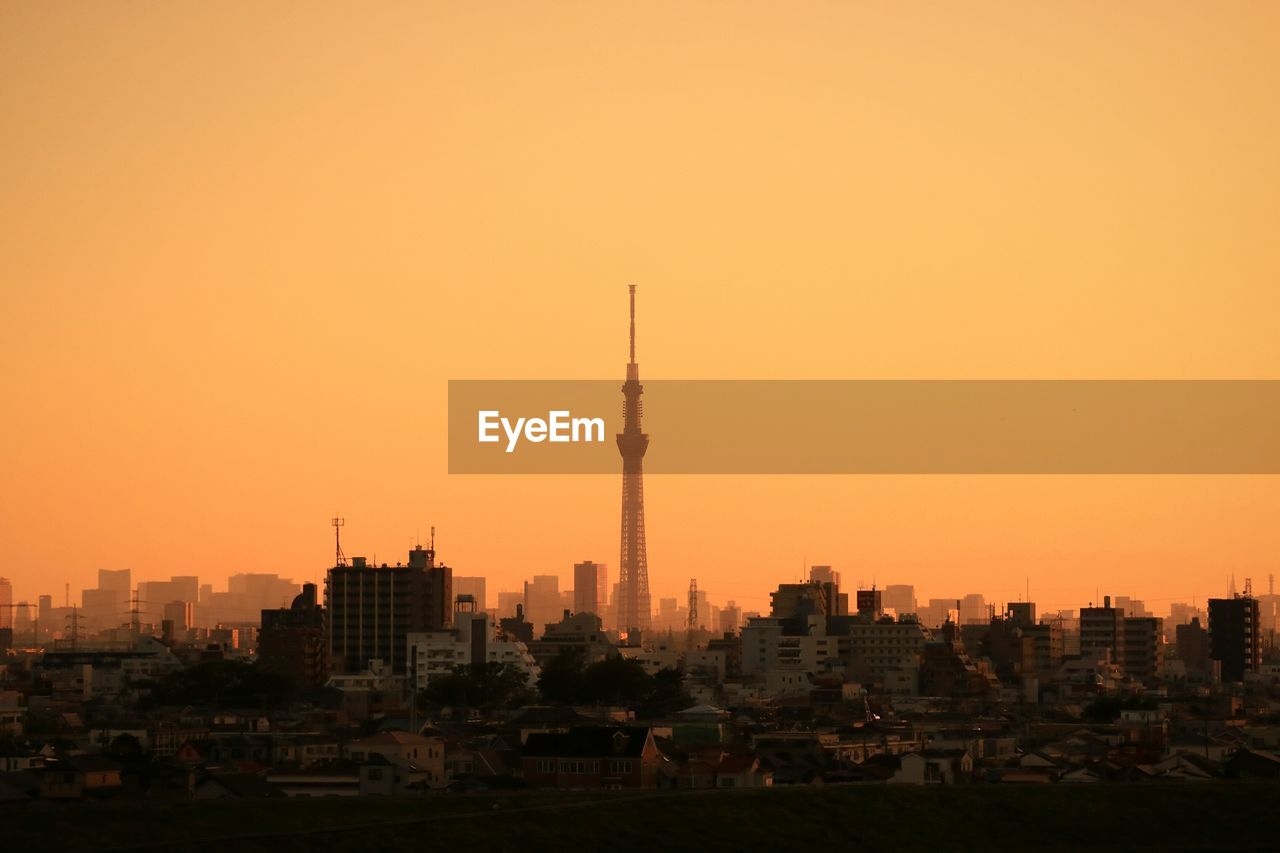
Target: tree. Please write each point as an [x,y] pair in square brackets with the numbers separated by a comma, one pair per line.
[562,678]
[478,685]
[616,681]
[223,684]
[667,697]
[125,747]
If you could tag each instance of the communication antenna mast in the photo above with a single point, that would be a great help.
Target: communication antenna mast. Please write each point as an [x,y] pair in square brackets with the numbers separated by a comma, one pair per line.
[1248,587]
[339,559]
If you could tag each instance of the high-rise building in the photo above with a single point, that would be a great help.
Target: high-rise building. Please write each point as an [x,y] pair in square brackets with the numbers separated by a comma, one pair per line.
[472,586]
[1143,657]
[870,603]
[154,595]
[1102,632]
[120,580]
[542,603]
[372,609]
[508,601]
[6,598]
[1193,644]
[1181,613]
[824,574]
[181,615]
[634,608]
[973,610]
[1022,613]
[103,608]
[900,598]
[590,587]
[730,618]
[1234,635]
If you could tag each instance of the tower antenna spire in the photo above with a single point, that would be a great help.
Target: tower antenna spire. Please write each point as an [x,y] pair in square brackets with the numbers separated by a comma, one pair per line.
[632,288]
[634,611]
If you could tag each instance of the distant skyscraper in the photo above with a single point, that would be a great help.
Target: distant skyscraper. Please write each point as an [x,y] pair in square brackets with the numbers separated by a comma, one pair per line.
[542,602]
[634,609]
[590,587]
[472,586]
[6,598]
[900,598]
[508,602]
[824,574]
[120,580]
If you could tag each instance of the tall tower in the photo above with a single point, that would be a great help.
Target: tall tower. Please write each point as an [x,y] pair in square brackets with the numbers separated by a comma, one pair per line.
[633,579]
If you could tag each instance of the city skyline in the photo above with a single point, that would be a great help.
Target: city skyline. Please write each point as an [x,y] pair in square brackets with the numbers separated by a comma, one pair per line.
[216,368]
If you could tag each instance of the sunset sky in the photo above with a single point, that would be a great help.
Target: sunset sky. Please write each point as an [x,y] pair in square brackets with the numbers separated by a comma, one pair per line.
[244,246]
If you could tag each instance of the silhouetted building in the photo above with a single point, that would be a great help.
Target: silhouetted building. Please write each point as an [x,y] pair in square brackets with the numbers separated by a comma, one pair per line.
[1102,632]
[1143,657]
[1022,613]
[517,627]
[592,758]
[1234,636]
[292,640]
[372,609]
[870,603]
[1193,644]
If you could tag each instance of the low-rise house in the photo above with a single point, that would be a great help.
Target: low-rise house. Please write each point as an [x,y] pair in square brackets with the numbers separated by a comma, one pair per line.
[592,757]
[417,760]
[75,776]
[934,767]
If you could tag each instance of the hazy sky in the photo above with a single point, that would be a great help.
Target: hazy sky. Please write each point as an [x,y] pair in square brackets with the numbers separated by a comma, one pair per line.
[243,246]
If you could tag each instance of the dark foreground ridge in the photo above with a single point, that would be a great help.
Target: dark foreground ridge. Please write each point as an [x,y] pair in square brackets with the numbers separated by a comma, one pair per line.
[1100,816]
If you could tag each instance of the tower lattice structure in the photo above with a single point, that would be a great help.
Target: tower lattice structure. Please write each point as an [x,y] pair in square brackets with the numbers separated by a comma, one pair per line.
[634,611]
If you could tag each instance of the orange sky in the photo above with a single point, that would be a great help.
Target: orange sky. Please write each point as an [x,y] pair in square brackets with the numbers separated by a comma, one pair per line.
[243,247]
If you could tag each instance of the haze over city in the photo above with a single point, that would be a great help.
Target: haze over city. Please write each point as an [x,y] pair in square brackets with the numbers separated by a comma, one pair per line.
[233,300]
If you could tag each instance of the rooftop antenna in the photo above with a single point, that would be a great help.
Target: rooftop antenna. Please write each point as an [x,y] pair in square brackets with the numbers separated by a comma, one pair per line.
[433,539]
[339,559]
